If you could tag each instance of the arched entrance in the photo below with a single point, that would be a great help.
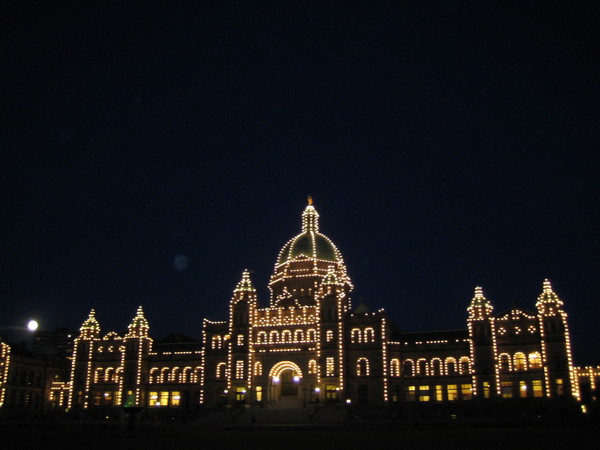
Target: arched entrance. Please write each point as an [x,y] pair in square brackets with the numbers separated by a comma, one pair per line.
[284,383]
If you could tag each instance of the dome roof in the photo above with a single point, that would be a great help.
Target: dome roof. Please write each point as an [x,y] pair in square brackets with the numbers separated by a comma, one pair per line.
[310,243]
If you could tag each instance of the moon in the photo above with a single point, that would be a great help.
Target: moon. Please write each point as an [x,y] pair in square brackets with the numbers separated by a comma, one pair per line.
[32,325]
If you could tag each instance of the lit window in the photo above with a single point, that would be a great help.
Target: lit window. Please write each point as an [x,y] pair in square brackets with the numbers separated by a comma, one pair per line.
[329,335]
[507,389]
[560,387]
[439,393]
[261,338]
[329,367]
[312,367]
[175,398]
[466,391]
[395,367]
[298,336]
[523,389]
[240,339]
[216,341]
[520,362]
[535,361]
[362,367]
[257,368]
[369,335]
[239,369]
[537,388]
[452,391]
[355,335]
[221,370]
[411,393]
[423,393]
[286,336]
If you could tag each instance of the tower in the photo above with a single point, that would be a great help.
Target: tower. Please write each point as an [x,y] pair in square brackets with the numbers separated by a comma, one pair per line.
[82,365]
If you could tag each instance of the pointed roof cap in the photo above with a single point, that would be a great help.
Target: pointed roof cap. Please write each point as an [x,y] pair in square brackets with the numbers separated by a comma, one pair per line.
[362,308]
[548,295]
[245,284]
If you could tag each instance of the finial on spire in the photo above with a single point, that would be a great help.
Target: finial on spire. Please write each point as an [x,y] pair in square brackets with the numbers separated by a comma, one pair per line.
[547,285]
[310,199]
[478,292]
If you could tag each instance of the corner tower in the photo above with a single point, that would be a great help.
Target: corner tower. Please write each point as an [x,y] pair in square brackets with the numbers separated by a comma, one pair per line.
[303,262]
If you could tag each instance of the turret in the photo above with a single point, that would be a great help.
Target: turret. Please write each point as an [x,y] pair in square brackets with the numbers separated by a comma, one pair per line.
[137,347]
[483,345]
[82,364]
[556,345]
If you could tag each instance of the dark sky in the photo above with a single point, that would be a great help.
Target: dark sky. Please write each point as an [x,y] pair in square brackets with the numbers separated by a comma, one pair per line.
[446,145]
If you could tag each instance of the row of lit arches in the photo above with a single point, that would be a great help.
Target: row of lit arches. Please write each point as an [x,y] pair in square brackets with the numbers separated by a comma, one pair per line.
[107,374]
[434,367]
[221,369]
[358,336]
[519,361]
[174,375]
[286,336]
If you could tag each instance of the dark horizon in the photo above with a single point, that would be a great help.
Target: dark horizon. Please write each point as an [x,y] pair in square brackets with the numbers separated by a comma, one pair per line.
[151,155]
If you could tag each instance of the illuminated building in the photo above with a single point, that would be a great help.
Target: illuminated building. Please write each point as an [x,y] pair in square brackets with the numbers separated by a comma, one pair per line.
[308,345]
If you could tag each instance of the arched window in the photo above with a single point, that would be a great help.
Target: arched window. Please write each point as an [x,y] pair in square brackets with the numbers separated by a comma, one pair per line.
[395,367]
[450,366]
[355,335]
[369,335]
[362,367]
[505,364]
[408,368]
[216,342]
[109,375]
[154,375]
[164,374]
[520,361]
[261,338]
[185,376]
[312,367]
[535,361]
[464,365]
[99,375]
[436,367]
[298,336]
[286,336]
[422,367]
[273,337]
[312,335]
[221,370]
[174,374]
[197,375]
[258,368]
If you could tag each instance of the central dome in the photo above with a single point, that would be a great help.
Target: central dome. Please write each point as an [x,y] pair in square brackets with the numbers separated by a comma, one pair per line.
[310,243]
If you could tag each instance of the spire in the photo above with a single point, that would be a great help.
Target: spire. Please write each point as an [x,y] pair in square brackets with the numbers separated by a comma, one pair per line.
[139,325]
[548,300]
[310,217]
[480,307]
[90,329]
[245,284]
[362,308]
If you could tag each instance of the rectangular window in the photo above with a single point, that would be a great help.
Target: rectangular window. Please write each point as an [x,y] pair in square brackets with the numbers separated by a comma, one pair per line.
[175,398]
[538,390]
[164,398]
[259,393]
[152,398]
[240,340]
[329,367]
[523,389]
[411,393]
[240,394]
[560,387]
[507,389]
[424,393]
[466,391]
[439,393]
[452,390]
[239,369]
[486,389]
[331,392]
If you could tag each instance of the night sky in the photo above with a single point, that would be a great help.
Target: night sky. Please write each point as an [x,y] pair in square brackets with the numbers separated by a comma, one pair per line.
[151,153]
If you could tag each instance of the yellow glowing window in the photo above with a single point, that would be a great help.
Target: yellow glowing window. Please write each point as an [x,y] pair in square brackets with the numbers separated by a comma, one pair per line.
[537,388]
[560,387]
[175,398]
[520,361]
[395,367]
[535,361]
[257,368]
[152,398]
[507,389]
[424,393]
[240,339]
[439,393]
[452,392]
[259,393]
[466,391]
[312,367]
[486,389]
[163,398]
[329,335]
[411,393]
[522,389]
